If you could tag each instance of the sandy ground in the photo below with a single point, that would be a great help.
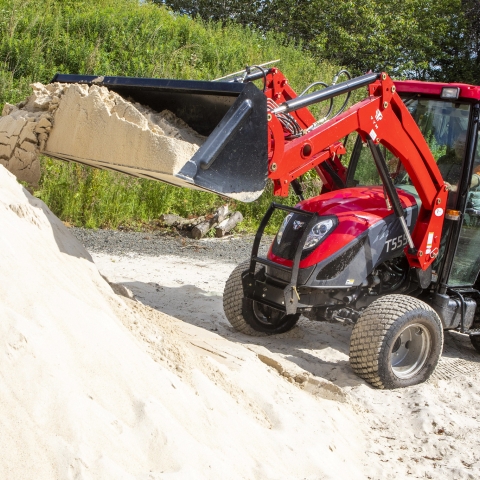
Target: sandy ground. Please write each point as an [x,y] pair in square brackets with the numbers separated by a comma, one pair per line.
[95,386]
[427,431]
[98,386]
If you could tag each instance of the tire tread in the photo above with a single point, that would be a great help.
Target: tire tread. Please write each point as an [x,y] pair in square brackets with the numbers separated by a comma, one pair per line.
[232,300]
[372,330]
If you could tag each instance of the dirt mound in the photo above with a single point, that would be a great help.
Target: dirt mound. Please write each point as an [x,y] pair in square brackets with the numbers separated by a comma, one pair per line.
[93,387]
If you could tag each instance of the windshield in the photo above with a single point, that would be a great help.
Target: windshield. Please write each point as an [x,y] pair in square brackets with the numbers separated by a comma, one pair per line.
[444,126]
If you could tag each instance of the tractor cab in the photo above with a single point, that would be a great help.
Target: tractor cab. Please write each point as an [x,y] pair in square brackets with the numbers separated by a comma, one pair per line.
[449,125]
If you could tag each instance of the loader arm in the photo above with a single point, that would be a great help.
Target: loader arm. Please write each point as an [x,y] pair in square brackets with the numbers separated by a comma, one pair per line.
[382,118]
[253,135]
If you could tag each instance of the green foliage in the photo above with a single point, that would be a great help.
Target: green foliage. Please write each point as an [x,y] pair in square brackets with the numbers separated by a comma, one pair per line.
[465,54]
[435,39]
[38,39]
[94,198]
[239,11]
[124,37]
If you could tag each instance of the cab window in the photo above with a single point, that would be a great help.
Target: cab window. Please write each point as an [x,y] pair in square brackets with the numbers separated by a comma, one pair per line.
[444,126]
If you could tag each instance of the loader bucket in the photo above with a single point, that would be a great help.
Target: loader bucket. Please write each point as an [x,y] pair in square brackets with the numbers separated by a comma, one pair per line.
[232,116]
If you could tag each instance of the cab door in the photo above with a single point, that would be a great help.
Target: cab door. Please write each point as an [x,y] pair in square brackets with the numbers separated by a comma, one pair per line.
[466,261]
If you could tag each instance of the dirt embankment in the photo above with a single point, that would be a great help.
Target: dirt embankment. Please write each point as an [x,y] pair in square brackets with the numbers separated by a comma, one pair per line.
[94,387]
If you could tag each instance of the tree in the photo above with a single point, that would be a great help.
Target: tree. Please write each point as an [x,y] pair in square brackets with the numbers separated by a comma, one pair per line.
[237,11]
[403,38]
[425,39]
[472,36]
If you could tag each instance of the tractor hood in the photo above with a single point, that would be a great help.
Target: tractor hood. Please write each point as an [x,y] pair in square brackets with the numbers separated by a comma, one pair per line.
[358,213]
[361,202]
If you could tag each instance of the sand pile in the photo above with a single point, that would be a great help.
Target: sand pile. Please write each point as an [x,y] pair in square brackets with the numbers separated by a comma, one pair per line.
[430,430]
[95,126]
[91,388]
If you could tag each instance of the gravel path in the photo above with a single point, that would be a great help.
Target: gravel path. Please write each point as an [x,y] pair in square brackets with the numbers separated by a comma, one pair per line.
[231,249]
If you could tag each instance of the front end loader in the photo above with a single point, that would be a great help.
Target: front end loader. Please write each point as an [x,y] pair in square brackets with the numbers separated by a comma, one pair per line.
[391,244]
[231,115]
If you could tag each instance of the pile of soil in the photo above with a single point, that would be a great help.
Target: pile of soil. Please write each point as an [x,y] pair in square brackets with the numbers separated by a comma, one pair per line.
[94,386]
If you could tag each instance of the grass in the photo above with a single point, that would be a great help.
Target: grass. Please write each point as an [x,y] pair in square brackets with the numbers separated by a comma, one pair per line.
[92,198]
[125,37]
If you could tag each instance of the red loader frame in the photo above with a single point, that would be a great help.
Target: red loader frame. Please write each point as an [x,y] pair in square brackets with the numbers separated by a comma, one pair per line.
[381,118]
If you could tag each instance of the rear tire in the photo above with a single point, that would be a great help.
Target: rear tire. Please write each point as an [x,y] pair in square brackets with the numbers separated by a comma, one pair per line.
[248,316]
[396,342]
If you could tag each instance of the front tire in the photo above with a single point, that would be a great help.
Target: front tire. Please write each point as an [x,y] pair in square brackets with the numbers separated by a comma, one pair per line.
[396,342]
[248,316]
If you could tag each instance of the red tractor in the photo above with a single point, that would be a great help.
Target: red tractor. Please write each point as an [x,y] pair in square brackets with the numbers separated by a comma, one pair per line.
[392,243]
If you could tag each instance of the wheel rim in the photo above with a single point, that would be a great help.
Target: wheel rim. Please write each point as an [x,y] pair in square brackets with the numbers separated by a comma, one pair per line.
[411,350]
[267,315]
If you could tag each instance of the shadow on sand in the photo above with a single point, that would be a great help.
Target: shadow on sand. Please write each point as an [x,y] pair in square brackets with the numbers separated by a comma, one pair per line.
[319,348]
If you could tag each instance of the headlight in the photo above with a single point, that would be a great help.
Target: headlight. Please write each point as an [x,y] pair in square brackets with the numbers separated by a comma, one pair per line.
[282,228]
[318,232]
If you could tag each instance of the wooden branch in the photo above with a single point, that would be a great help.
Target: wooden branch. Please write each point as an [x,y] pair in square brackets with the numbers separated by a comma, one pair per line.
[228,224]
[201,229]
[172,220]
